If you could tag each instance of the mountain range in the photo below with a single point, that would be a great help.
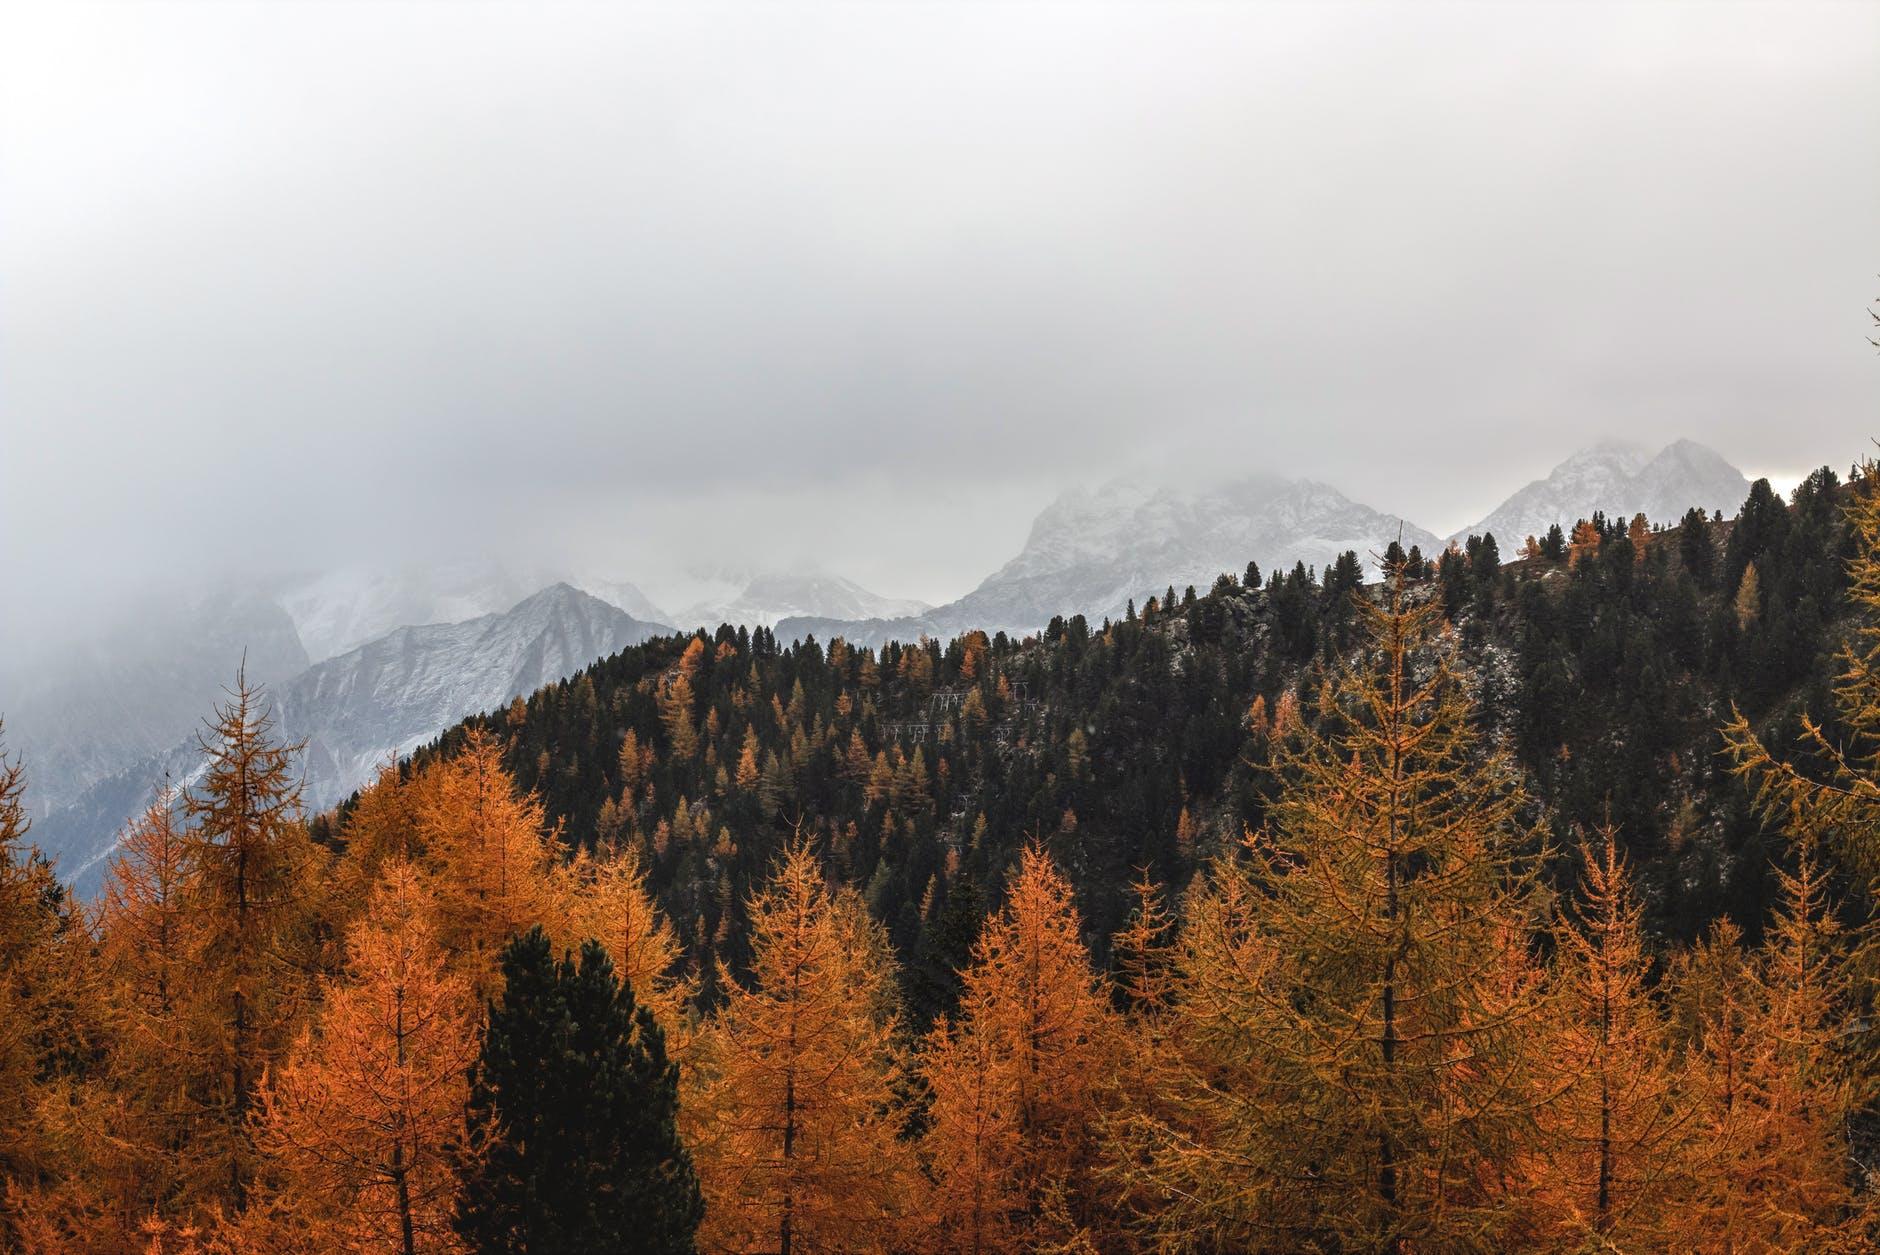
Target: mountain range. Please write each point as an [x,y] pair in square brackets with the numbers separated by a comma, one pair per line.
[366,663]
[1093,552]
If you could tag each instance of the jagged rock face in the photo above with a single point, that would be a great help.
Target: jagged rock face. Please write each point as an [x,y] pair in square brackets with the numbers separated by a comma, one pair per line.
[1622,480]
[136,684]
[1092,552]
[356,710]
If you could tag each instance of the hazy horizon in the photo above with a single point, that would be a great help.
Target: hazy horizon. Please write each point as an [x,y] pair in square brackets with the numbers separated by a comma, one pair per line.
[646,289]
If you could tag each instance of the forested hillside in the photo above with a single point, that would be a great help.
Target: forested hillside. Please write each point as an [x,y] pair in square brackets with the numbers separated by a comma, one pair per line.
[1605,661]
[1500,905]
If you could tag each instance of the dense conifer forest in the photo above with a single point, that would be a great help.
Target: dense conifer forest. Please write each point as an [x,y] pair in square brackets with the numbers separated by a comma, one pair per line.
[1606,662]
[1516,900]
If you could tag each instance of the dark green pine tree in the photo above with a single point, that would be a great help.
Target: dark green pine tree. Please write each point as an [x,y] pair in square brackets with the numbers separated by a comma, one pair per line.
[576,1088]
[1554,544]
[946,949]
[1696,550]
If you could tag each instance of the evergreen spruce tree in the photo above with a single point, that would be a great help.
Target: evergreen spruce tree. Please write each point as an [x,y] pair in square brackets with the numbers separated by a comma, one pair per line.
[1554,544]
[947,938]
[576,1089]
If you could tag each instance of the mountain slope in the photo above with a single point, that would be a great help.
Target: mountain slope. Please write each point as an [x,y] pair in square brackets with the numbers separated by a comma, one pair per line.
[1092,552]
[386,697]
[394,693]
[1621,480]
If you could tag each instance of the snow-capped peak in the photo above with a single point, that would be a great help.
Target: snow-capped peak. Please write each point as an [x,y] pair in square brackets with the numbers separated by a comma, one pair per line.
[1622,480]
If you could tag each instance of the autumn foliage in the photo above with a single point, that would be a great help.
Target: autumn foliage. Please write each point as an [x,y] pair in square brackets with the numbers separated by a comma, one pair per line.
[1392,1016]
[364,1121]
[793,1105]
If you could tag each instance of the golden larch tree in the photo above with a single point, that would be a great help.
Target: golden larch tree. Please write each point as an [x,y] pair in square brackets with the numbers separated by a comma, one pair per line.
[486,852]
[748,767]
[1372,974]
[973,1149]
[1017,1081]
[44,1014]
[146,946]
[1585,540]
[792,1110]
[144,919]
[1748,603]
[380,825]
[1616,1137]
[1183,1149]
[1772,1085]
[362,1122]
[251,890]
[1144,950]
[606,898]
[676,702]
[1639,532]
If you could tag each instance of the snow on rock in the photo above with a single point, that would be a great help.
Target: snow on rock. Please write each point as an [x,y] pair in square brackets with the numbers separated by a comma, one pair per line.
[392,694]
[1092,551]
[1622,480]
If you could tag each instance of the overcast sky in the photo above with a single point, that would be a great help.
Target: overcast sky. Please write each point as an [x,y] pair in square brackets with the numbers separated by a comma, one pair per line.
[291,284]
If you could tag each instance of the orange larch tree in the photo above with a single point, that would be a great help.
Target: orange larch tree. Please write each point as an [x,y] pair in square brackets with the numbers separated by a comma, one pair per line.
[44,1013]
[144,918]
[486,853]
[1181,1151]
[1615,1143]
[1017,1081]
[605,898]
[972,1149]
[1375,940]
[147,942]
[251,891]
[1585,540]
[792,1111]
[676,706]
[380,824]
[1144,950]
[1773,1085]
[364,1121]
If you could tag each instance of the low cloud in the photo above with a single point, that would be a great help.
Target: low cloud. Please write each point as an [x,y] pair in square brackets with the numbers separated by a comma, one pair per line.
[289,284]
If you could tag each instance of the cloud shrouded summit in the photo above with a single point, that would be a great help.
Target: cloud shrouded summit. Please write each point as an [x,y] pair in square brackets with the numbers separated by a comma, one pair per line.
[286,285]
